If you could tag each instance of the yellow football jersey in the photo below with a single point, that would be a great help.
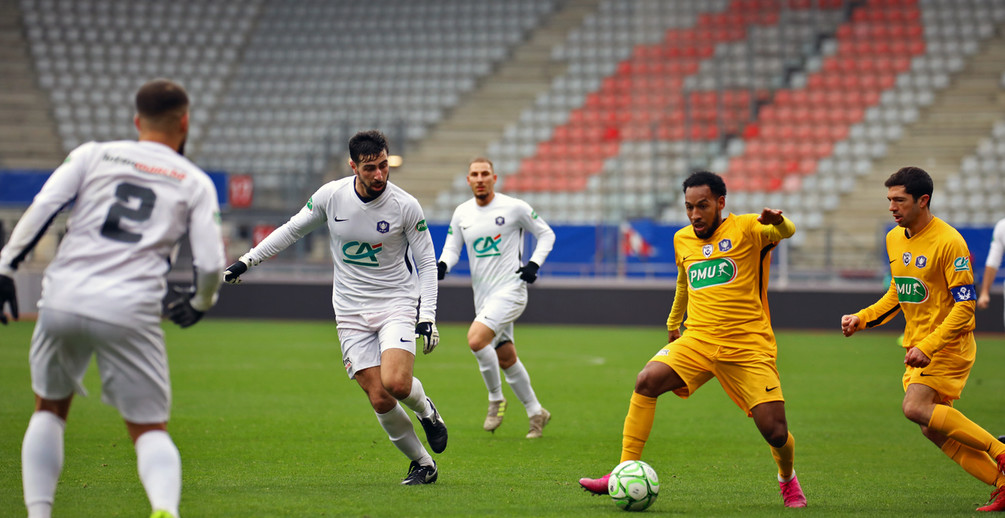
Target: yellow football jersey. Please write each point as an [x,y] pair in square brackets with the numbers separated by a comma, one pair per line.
[723,280]
[933,284]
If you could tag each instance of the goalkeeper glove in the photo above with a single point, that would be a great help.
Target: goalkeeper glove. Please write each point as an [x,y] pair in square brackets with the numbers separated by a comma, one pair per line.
[528,272]
[233,272]
[180,310]
[441,270]
[8,296]
[429,334]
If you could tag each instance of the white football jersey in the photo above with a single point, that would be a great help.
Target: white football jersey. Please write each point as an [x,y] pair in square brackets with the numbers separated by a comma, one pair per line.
[494,238]
[372,244]
[132,202]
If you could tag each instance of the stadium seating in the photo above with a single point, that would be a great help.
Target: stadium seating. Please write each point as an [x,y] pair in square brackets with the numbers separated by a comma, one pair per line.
[92,55]
[273,82]
[975,195]
[809,118]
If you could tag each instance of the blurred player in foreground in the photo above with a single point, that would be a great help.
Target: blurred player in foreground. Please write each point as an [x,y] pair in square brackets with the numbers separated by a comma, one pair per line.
[722,283]
[102,293]
[934,286]
[492,226]
[374,226]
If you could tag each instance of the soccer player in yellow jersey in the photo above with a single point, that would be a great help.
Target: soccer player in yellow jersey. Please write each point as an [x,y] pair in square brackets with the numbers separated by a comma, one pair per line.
[933,285]
[722,281]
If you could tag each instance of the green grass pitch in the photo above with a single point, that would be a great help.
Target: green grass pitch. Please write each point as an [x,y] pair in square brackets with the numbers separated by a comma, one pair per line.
[269,425]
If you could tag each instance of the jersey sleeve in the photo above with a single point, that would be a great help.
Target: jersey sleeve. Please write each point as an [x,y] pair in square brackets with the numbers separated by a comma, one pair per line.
[454,242]
[206,240]
[310,217]
[997,249]
[542,232]
[421,244]
[960,280]
[778,232]
[57,193]
[676,317]
[882,311]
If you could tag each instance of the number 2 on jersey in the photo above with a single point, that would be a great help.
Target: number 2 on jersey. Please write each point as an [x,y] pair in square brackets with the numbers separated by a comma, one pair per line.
[120,210]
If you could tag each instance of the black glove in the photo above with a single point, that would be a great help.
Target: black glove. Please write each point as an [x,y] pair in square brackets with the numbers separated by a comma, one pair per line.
[180,310]
[429,334]
[8,296]
[234,271]
[528,272]
[441,270]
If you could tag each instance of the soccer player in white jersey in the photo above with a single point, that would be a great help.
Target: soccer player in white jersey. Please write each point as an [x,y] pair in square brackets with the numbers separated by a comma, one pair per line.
[101,294]
[492,225]
[374,227]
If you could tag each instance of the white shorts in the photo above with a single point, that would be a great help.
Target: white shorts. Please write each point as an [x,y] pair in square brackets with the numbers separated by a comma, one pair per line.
[132,362]
[498,314]
[365,336]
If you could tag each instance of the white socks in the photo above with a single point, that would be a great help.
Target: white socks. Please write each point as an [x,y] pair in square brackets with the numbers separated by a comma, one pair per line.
[41,462]
[519,381]
[400,431]
[159,465]
[488,364]
[416,400]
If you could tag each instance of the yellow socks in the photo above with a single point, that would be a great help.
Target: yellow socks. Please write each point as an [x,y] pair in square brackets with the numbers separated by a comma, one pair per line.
[977,463]
[638,424]
[953,424]
[785,457]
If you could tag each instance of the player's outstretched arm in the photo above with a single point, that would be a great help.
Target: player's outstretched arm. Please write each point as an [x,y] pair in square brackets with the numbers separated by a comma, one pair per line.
[8,297]
[850,324]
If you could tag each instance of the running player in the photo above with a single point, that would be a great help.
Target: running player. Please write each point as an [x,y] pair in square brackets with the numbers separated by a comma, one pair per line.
[376,294]
[492,225]
[934,286]
[101,295]
[722,282]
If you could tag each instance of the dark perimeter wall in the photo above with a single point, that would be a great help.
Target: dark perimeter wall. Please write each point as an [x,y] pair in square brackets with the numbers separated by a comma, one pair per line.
[565,305]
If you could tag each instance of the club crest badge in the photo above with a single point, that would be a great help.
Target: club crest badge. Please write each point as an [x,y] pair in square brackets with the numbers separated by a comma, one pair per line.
[907,258]
[725,245]
[383,227]
[500,220]
[921,261]
[706,250]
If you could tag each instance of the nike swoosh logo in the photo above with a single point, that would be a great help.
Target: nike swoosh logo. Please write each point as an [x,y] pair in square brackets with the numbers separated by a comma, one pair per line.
[892,260]
[340,220]
[465,228]
[924,374]
[766,389]
[404,340]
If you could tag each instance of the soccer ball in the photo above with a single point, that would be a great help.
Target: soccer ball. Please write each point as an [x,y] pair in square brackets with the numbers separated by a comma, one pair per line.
[633,485]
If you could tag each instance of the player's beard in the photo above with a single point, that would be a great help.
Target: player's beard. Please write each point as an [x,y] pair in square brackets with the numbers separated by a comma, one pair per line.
[712,227]
[373,193]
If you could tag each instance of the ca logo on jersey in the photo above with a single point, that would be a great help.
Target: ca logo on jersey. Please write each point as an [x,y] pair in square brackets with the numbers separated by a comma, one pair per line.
[911,290]
[361,254]
[487,246]
[714,272]
[961,264]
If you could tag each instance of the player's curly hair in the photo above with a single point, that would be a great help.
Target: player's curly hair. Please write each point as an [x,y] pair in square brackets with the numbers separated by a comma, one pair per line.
[916,181]
[712,180]
[367,145]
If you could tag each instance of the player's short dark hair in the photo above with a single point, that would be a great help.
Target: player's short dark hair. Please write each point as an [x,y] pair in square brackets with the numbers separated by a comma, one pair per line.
[367,145]
[712,180]
[161,101]
[482,159]
[916,182]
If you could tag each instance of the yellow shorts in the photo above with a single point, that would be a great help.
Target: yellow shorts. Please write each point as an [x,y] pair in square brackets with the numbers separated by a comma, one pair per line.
[948,372]
[748,375]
